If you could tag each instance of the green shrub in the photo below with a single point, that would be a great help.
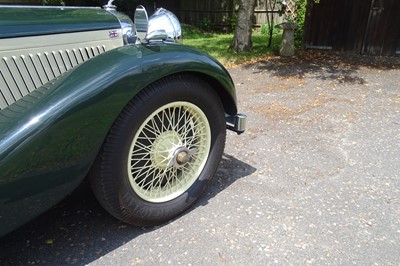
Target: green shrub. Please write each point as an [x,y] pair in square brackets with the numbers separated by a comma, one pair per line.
[299,20]
[205,24]
[264,30]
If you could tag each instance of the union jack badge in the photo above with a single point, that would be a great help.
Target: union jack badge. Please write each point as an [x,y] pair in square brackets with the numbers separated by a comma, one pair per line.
[113,33]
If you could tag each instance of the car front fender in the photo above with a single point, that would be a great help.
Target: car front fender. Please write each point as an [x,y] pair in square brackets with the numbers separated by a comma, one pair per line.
[50,138]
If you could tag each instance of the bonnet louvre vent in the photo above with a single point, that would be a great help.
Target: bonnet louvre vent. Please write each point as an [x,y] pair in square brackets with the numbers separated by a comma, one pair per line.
[22,74]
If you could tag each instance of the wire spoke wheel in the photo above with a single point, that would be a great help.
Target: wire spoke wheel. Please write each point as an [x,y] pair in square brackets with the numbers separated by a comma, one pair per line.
[161,152]
[169,151]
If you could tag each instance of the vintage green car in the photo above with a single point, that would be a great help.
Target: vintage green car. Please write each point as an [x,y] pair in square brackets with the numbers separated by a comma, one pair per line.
[86,93]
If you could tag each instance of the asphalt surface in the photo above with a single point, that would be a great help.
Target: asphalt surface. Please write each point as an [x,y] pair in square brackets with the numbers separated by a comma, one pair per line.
[314,180]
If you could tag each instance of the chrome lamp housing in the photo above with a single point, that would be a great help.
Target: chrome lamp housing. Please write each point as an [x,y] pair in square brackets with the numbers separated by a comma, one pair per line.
[164,25]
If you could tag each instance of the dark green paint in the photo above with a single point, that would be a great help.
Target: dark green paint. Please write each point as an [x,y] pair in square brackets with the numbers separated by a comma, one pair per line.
[50,138]
[32,21]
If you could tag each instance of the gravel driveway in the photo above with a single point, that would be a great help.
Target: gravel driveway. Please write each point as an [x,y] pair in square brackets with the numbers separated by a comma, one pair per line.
[314,180]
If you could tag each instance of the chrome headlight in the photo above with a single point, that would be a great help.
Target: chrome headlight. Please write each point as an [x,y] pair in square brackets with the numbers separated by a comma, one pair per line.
[164,25]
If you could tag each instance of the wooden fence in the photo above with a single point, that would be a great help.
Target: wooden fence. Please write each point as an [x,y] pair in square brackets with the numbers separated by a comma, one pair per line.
[220,14]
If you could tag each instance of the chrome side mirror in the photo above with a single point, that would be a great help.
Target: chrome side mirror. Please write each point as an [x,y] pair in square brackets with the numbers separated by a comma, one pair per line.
[141,21]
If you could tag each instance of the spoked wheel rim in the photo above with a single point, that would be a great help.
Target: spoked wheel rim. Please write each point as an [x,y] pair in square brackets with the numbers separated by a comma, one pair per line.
[169,151]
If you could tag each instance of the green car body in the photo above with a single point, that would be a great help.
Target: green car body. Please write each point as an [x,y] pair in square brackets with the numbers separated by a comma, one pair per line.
[22,22]
[51,135]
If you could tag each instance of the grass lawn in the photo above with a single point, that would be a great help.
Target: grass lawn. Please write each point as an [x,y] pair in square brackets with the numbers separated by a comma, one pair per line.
[217,45]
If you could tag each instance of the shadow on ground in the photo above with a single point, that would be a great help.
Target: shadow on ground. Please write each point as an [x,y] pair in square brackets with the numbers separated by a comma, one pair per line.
[78,231]
[324,65]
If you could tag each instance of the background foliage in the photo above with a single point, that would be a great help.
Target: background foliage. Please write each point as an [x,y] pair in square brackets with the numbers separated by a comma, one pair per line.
[299,20]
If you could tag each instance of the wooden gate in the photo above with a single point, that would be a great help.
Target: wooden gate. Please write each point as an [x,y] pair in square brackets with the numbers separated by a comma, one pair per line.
[382,33]
[355,26]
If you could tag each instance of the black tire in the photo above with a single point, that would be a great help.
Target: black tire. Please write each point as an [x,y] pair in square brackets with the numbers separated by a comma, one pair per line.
[124,191]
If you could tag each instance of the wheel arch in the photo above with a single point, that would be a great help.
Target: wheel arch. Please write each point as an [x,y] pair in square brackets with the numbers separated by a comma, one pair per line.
[227,99]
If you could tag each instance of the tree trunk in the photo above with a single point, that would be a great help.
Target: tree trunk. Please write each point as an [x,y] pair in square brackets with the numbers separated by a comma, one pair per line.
[271,21]
[242,39]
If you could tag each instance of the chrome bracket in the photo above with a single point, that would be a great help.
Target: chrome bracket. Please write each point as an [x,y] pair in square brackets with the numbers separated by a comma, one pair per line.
[236,123]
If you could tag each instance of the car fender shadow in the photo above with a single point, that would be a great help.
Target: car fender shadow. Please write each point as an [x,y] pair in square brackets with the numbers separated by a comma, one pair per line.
[79,231]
